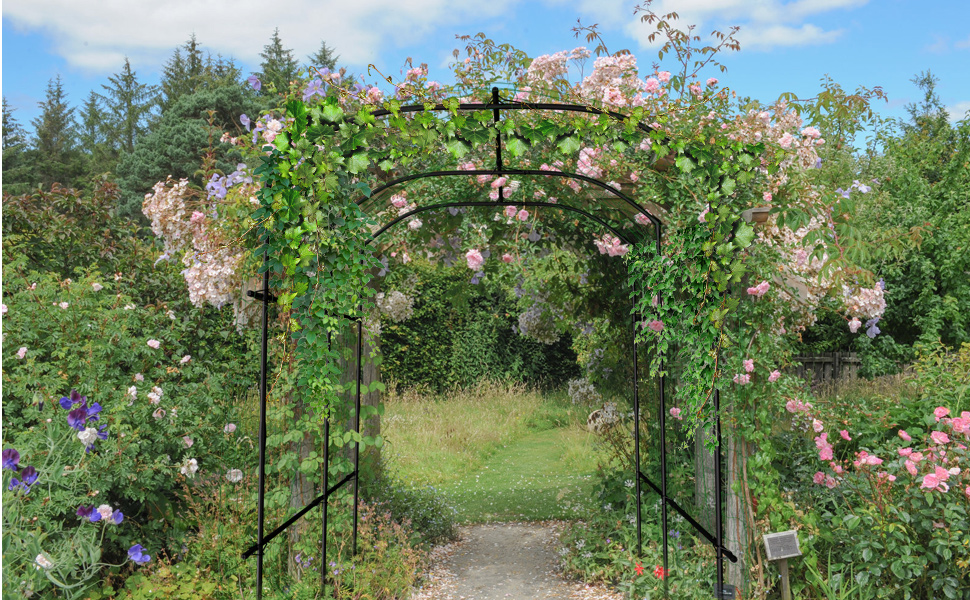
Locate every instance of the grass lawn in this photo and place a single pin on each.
(496, 454)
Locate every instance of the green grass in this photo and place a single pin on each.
(496, 454)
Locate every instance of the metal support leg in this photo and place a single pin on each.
(326, 483)
(636, 437)
(717, 496)
(360, 362)
(663, 478)
(262, 433)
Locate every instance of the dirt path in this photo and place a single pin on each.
(505, 561)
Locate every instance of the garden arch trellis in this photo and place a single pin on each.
(370, 203)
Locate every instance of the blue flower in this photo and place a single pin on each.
(29, 475)
(255, 83)
(10, 459)
(882, 284)
(117, 517)
(872, 330)
(137, 553)
(77, 417)
(76, 398)
(315, 88)
(244, 119)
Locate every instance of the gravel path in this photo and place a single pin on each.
(506, 561)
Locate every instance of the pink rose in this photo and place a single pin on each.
(499, 182)
(510, 211)
(523, 215)
(817, 425)
(940, 412)
(911, 467)
(656, 325)
(825, 453)
(774, 376)
(748, 365)
(939, 437)
(187, 441)
(930, 482)
(905, 451)
(845, 435)
(854, 324)
(399, 201)
(703, 216)
(742, 379)
(664, 76)
(786, 141)
(652, 86)
(905, 436)
(766, 197)
(830, 482)
(675, 413)
(712, 82)
(22, 352)
(474, 258)
(231, 427)
(819, 478)
(506, 258)
(154, 344)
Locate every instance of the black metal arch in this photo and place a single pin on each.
(264, 295)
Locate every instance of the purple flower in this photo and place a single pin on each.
(245, 120)
(10, 459)
(818, 162)
(136, 552)
(872, 330)
(29, 475)
(882, 284)
(255, 83)
(315, 88)
(117, 517)
(77, 417)
(86, 512)
(93, 411)
(843, 193)
(76, 398)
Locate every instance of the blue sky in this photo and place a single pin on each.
(787, 45)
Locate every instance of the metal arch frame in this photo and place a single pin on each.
(265, 296)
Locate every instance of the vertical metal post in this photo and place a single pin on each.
(636, 434)
(717, 495)
(326, 487)
(663, 456)
(360, 352)
(262, 430)
(498, 142)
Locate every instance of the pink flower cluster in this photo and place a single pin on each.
(759, 290)
(611, 245)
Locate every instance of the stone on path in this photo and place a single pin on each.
(505, 561)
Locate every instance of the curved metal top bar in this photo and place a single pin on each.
(616, 232)
(382, 112)
(656, 222)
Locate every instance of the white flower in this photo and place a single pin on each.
(97, 287)
(105, 511)
(88, 436)
(170, 314)
(185, 359)
(415, 224)
(43, 561)
(234, 475)
(22, 352)
(64, 305)
(133, 392)
(190, 468)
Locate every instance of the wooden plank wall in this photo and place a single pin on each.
(827, 366)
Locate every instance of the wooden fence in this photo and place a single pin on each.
(827, 366)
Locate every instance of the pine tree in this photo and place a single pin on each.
(16, 174)
(129, 106)
(94, 135)
(184, 73)
(279, 67)
(324, 58)
(55, 139)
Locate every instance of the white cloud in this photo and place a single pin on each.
(96, 36)
(765, 24)
(958, 111)
(963, 43)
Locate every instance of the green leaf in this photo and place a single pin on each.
(727, 186)
(456, 148)
(516, 146)
(357, 163)
(569, 145)
(332, 113)
(744, 236)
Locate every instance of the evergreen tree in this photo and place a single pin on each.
(279, 66)
(55, 139)
(129, 106)
(94, 136)
(324, 58)
(190, 70)
(16, 177)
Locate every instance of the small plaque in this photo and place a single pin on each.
(727, 592)
(782, 545)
